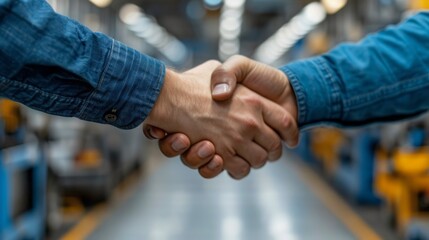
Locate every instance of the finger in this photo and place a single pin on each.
(294, 143)
(174, 144)
(281, 121)
(275, 155)
(270, 141)
(265, 80)
(236, 167)
(223, 83)
(199, 154)
(261, 78)
(254, 154)
(225, 77)
(152, 132)
(213, 168)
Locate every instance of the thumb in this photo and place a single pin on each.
(223, 84)
(225, 77)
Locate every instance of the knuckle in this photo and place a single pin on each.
(252, 100)
(243, 170)
(239, 171)
(220, 71)
(250, 123)
(228, 152)
(237, 58)
(286, 121)
(274, 158)
(236, 139)
(260, 161)
(275, 155)
(275, 145)
(214, 62)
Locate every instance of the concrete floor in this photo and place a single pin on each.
(175, 203)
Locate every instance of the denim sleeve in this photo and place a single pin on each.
(54, 64)
(385, 77)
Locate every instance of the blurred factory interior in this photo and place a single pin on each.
(63, 178)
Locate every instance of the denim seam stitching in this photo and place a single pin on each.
(334, 99)
(52, 96)
(387, 92)
(82, 114)
(299, 93)
(153, 97)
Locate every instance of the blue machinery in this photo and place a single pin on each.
(418, 230)
(352, 172)
(356, 175)
(26, 221)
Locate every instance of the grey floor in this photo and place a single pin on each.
(174, 203)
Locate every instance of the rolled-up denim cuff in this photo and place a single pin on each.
(127, 90)
(316, 89)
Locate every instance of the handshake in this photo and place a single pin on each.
(230, 116)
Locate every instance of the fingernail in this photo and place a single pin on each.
(220, 89)
(178, 145)
(150, 131)
(212, 165)
(204, 152)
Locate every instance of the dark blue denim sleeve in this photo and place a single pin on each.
(385, 77)
(54, 64)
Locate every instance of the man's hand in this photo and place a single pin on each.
(267, 81)
(240, 129)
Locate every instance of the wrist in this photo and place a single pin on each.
(317, 91)
(179, 103)
(291, 104)
(163, 108)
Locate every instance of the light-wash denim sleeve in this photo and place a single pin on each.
(385, 77)
(54, 64)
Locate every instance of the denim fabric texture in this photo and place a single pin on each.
(55, 64)
(385, 77)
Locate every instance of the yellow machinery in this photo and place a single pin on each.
(405, 186)
(419, 4)
(89, 158)
(325, 145)
(10, 114)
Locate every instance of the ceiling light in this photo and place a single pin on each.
(212, 4)
(290, 33)
(333, 6)
(234, 3)
(130, 14)
(101, 3)
(315, 12)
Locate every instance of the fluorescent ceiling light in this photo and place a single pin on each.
(333, 6)
(130, 14)
(101, 3)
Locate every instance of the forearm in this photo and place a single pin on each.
(383, 78)
(56, 65)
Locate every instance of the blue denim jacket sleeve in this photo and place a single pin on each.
(54, 64)
(385, 77)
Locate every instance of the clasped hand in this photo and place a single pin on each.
(242, 129)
